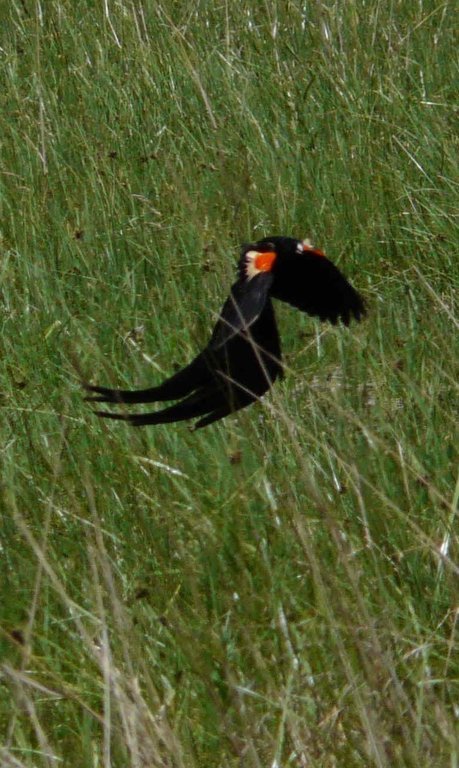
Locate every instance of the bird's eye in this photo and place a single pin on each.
(299, 247)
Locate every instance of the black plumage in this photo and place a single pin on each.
(243, 357)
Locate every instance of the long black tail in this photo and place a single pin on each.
(181, 384)
(197, 404)
(211, 406)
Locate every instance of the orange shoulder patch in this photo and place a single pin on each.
(309, 248)
(257, 262)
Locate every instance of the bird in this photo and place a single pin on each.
(243, 357)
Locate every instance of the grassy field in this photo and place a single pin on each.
(280, 589)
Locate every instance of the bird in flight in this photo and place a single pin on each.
(243, 357)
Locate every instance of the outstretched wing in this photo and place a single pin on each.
(312, 283)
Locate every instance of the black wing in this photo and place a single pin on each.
(237, 373)
(313, 284)
(242, 308)
(238, 365)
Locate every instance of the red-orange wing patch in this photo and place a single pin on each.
(309, 248)
(259, 261)
(264, 261)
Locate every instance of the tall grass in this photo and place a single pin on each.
(279, 589)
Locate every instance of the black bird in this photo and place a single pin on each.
(243, 357)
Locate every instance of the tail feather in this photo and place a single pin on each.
(181, 384)
(197, 404)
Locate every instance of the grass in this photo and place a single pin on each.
(279, 589)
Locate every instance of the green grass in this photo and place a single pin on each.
(279, 589)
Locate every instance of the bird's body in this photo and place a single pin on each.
(243, 357)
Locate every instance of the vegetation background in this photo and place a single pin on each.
(280, 589)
